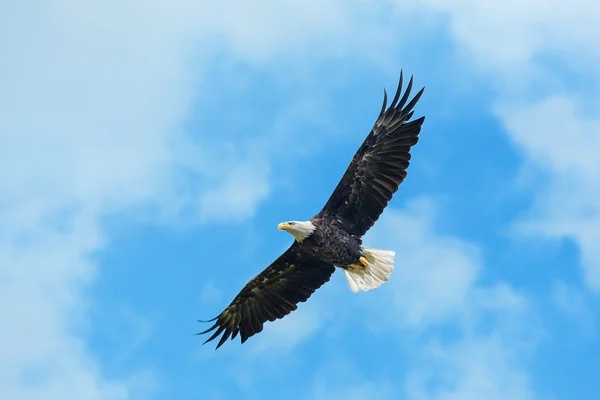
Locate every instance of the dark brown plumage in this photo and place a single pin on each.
(373, 176)
(378, 167)
(272, 294)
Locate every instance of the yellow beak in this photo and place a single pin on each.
(283, 226)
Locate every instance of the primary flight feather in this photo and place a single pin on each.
(333, 237)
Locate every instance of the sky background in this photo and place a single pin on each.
(149, 150)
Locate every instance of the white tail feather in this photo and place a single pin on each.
(381, 266)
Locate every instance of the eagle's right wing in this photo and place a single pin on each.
(271, 295)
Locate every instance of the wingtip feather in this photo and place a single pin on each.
(406, 93)
(398, 90)
(210, 320)
(384, 102)
(209, 329)
(415, 99)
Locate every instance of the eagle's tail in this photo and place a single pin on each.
(380, 267)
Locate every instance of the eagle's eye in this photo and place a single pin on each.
(292, 223)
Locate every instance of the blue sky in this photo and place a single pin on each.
(149, 151)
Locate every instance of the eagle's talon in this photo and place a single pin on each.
(356, 267)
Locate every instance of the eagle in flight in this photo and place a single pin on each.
(333, 237)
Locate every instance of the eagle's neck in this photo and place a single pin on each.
(302, 230)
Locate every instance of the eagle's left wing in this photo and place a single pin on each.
(378, 167)
(271, 295)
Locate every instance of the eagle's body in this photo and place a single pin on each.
(333, 237)
(332, 244)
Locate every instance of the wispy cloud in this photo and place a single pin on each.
(94, 100)
(475, 368)
(573, 303)
(238, 194)
(562, 146)
(435, 288)
(94, 104)
(528, 51)
(340, 379)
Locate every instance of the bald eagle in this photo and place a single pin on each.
(333, 237)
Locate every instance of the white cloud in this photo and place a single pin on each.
(572, 302)
(435, 286)
(209, 293)
(238, 194)
(93, 100)
(475, 368)
(339, 379)
(509, 36)
(41, 304)
(543, 58)
(434, 274)
(564, 146)
(282, 336)
(265, 28)
(285, 334)
(85, 131)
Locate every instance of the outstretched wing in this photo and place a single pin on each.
(378, 167)
(271, 295)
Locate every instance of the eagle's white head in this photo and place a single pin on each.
(299, 229)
